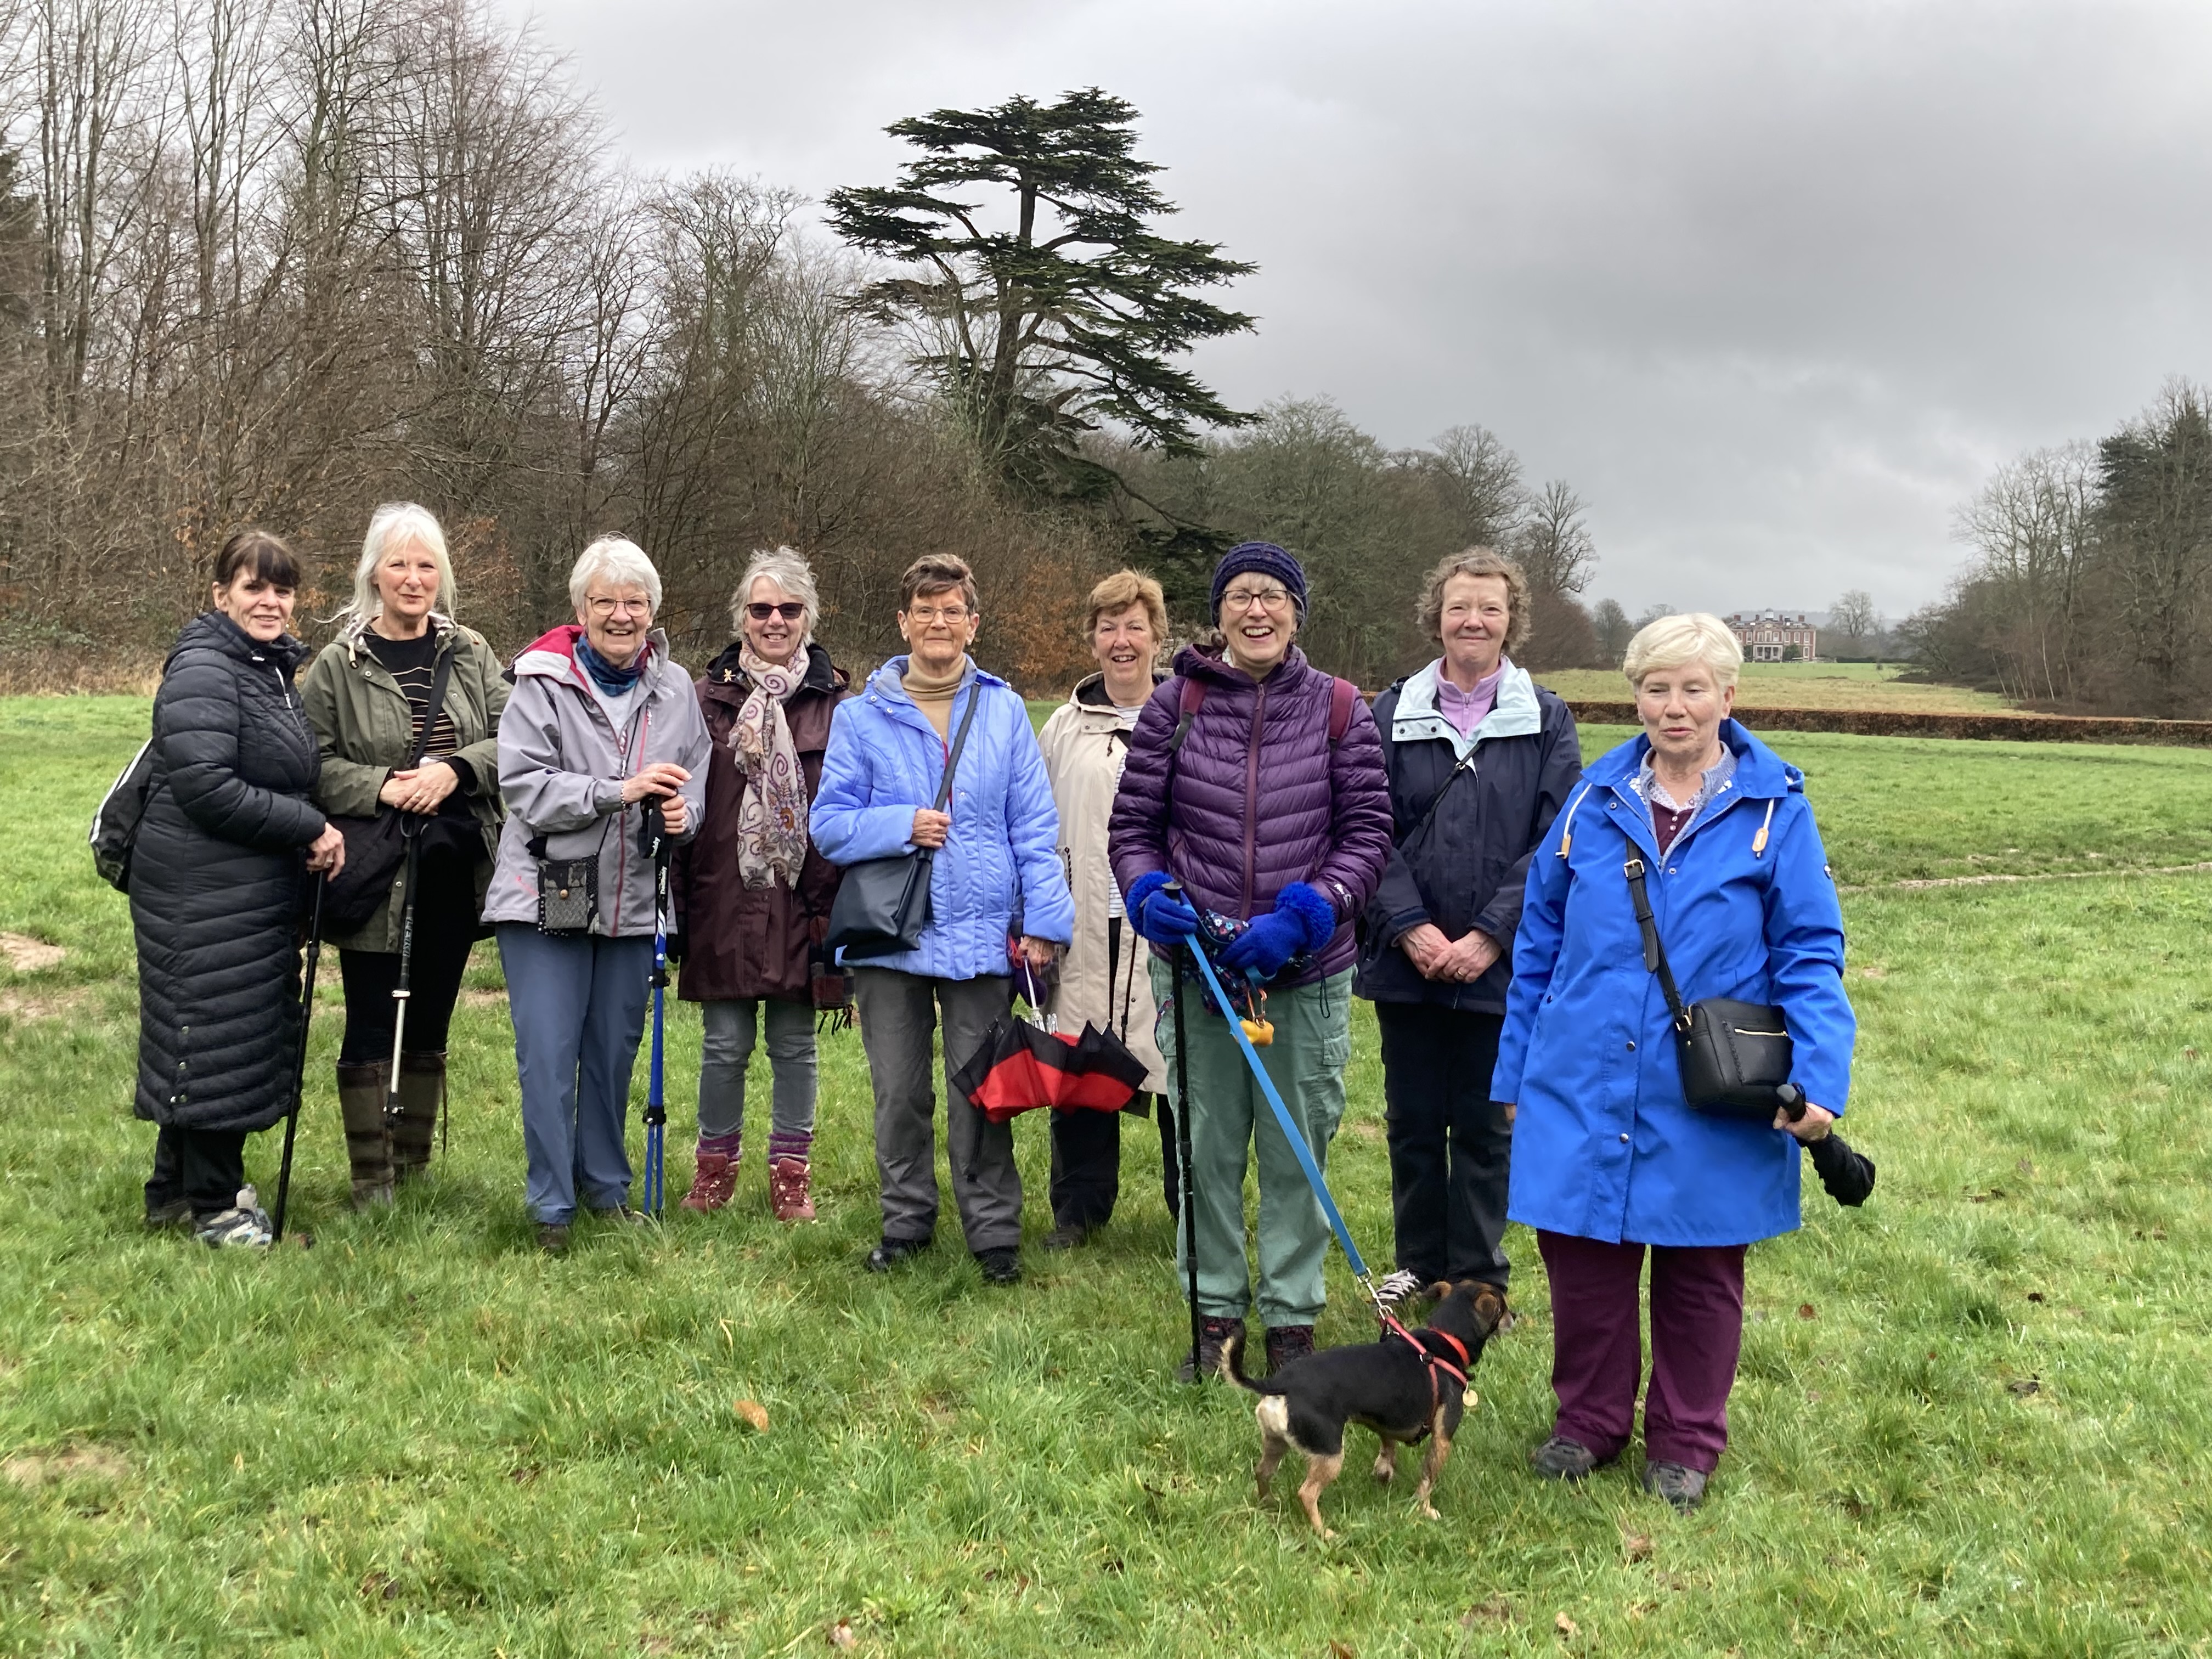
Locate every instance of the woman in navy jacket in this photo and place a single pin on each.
(1609, 1159)
(1481, 759)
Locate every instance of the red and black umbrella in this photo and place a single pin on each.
(1020, 1068)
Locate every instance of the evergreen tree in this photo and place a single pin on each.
(1055, 308)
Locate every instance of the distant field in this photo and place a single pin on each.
(1804, 685)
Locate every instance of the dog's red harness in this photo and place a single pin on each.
(1435, 1362)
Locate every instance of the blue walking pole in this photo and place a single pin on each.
(658, 847)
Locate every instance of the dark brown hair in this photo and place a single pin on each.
(262, 554)
(1477, 561)
(935, 573)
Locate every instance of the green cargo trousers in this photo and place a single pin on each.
(1306, 1062)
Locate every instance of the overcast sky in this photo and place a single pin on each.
(1774, 285)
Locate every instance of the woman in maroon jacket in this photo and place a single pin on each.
(1272, 809)
(755, 894)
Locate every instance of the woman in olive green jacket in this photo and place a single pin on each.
(366, 696)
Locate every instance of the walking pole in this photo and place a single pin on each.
(654, 834)
(410, 832)
(1182, 1138)
(300, 1070)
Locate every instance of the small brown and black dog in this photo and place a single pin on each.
(1386, 1386)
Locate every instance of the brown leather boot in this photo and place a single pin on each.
(421, 1097)
(368, 1138)
(787, 1200)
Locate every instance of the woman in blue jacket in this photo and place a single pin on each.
(996, 866)
(1608, 1157)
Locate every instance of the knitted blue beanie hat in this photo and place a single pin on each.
(1259, 559)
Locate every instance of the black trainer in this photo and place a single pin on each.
(1067, 1235)
(1682, 1486)
(1562, 1459)
(1286, 1343)
(892, 1251)
(1000, 1266)
(1212, 1334)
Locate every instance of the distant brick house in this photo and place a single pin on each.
(1767, 636)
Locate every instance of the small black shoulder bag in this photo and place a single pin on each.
(1736, 1056)
(883, 904)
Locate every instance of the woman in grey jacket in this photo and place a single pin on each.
(600, 723)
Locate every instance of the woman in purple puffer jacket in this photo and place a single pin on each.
(1256, 781)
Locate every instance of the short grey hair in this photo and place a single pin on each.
(398, 524)
(1694, 637)
(788, 570)
(622, 561)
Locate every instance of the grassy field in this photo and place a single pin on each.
(1804, 685)
(1973, 1418)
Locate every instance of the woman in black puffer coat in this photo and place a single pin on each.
(215, 884)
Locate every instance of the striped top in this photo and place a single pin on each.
(413, 662)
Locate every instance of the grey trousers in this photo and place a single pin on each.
(731, 1028)
(898, 1012)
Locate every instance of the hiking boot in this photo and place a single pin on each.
(421, 1097)
(1562, 1459)
(787, 1199)
(892, 1251)
(362, 1090)
(162, 1217)
(627, 1216)
(1682, 1486)
(1286, 1343)
(244, 1225)
(553, 1237)
(1212, 1334)
(1067, 1235)
(713, 1178)
(1000, 1266)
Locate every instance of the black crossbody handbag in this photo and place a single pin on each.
(1736, 1056)
(883, 904)
(375, 847)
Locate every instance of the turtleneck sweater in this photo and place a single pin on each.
(932, 694)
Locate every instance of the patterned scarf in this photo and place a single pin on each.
(772, 811)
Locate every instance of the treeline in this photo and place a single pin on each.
(2090, 586)
(274, 263)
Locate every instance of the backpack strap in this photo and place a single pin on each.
(1342, 695)
(1188, 702)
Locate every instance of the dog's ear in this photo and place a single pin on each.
(1489, 1302)
(1437, 1292)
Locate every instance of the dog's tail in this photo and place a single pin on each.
(1232, 1366)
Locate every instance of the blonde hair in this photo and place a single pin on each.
(1477, 561)
(622, 561)
(1696, 636)
(1123, 589)
(396, 523)
(789, 571)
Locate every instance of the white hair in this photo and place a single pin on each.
(622, 561)
(1695, 636)
(784, 567)
(398, 524)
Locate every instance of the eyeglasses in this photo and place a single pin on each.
(790, 611)
(954, 614)
(1267, 598)
(622, 607)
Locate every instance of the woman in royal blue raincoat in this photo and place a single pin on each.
(1608, 1158)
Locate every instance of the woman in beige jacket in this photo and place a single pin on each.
(1103, 980)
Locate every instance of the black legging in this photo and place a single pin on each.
(444, 928)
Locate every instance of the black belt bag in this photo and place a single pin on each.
(883, 904)
(1736, 1056)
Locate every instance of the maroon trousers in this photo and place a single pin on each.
(1597, 1356)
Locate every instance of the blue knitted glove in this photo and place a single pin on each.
(1302, 921)
(1161, 917)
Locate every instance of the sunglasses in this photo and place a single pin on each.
(790, 611)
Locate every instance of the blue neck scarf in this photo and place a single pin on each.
(609, 678)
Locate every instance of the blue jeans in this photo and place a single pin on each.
(579, 1010)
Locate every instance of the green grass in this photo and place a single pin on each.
(1973, 1417)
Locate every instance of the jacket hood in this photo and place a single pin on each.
(1516, 712)
(725, 670)
(552, 654)
(1090, 696)
(1760, 773)
(1209, 662)
(213, 631)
